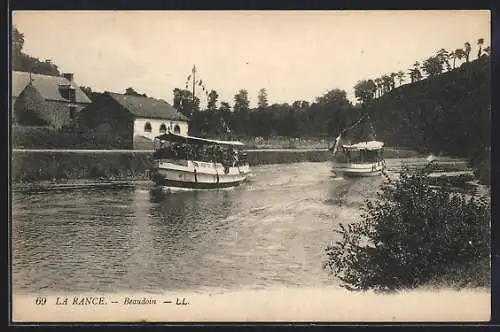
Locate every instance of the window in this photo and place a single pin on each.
(72, 112)
(177, 129)
(72, 95)
(147, 127)
(64, 91)
(68, 92)
(163, 128)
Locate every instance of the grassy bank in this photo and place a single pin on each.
(286, 142)
(47, 165)
(33, 166)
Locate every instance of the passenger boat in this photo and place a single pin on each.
(198, 163)
(361, 159)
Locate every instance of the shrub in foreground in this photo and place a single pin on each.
(414, 234)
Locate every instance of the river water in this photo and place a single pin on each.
(272, 231)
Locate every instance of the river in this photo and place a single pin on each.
(270, 232)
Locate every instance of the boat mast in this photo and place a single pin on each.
(194, 80)
(192, 105)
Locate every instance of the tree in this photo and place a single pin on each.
(300, 104)
(467, 49)
(444, 58)
(393, 79)
(262, 99)
(225, 117)
(487, 50)
(401, 77)
(411, 72)
(17, 42)
(26, 63)
(322, 114)
(131, 92)
(415, 74)
(225, 107)
(365, 91)
(87, 90)
(459, 54)
(433, 66)
(453, 56)
(184, 102)
(334, 96)
(403, 239)
(212, 100)
(379, 84)
(386, 83)
(241, 102)
(480, 43)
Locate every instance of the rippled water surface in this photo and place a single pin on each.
(271, 231)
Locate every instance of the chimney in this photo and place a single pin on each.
(68, 76)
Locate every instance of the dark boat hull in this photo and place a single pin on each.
(193, 185)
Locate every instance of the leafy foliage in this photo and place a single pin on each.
(262, 103)
(447, 114)
(64, 166)
(241, 102)
(433, 66)
(467, 49)
(131, 92)
(47, 138)
(185, 103)
(365, 91)
(411, 235)
(24, 62)
(212, 100)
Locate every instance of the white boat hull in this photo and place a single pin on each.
(197, 175)
(358, 170)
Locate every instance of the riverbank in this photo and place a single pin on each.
(33, 165)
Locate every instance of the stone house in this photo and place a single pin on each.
(43, 100)
(133, 119)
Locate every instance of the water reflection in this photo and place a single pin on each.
(113, 240)
(271, 231)
(61, 239)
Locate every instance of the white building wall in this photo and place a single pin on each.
(140, 126)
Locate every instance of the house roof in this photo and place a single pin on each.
(147, 107)
(47, 86)
(371, 145)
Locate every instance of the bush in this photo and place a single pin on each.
(412, 235)
(481, 166)
(64, 138)
(32, 166)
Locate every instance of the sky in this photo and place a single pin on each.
(294, 55)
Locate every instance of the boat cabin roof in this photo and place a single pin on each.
(192, 139)
(371, 145)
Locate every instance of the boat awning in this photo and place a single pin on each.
(193, 140)
(371, 145)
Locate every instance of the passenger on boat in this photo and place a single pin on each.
(219, 154)
(235, 158)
